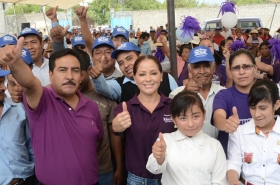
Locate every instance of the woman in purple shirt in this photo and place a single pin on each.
(142, 118)
(230, 107)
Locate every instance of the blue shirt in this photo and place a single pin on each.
(16, 155)
(113, 90)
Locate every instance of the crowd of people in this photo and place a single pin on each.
(101, 108)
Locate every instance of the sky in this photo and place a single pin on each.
(206, 1)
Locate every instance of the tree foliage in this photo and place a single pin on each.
(100, 11)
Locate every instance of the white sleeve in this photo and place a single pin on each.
(234, 152)
(153, 167)
(220, 168)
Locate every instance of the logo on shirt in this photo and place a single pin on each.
(8, 39)
(77, 39)
(26, 30)
(123, 45)
(167, 118)
(103, 39)
(200, 52)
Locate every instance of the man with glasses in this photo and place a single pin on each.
(201, 69)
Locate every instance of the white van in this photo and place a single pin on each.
(244, 23)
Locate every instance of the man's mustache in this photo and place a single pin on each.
(69, 83)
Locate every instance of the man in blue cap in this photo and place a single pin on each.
(100, 49)
(124, 88)
(16, 155)
(79, 43)
(33, 42)
(201, 66)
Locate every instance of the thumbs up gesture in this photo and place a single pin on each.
(57, 33)
(10, 53)
(232, 122)
(191, 85)
(122, 121)
(159, 149)
(96, 70)
(81, 12)
(51, 14)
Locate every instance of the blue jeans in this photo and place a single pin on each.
(106, 178)
(135, 180)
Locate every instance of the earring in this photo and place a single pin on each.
(175, 126)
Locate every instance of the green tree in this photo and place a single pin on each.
(23, 8)
(100, 11)
(183, 3)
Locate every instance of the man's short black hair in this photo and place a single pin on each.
(61, 53)
(144, 34)
(85, 59)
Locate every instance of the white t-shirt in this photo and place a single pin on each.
(208, 106)
(42, 72)
(196, 160)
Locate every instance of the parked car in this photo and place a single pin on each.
(244, 23)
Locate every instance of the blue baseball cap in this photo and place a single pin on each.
(4, 72)
(28, 31)
(120, 31)
(200, 54)
(7, 40)
(103, 41)
(78, 40)
(26, 56)
(125, 46)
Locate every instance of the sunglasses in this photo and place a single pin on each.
(246, 67)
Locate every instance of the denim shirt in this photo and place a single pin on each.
(16, 155)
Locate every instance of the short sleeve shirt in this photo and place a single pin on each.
(225, 100)
(64, 140)
(143, 132)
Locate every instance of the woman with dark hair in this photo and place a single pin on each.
(254, 149)
(142, 118)
(226, 103)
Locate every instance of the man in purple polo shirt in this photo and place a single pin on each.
(65, 126)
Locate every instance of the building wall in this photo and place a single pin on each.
(145, 19)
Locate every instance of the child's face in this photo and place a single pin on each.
(263, 114)
(191, 122)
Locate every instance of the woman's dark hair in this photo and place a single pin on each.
(61, 53)
(263, 90)
(241, 52)
(264, 43)
(183, 46)
(146, 57)
(183, 101)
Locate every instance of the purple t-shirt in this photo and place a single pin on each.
(222, 68)
(226, 99)
(266, 61)
(64, 140)
(143, 132)
(276, 73)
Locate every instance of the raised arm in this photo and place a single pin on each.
(81, 13)
(264, 67)
(32, 86)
